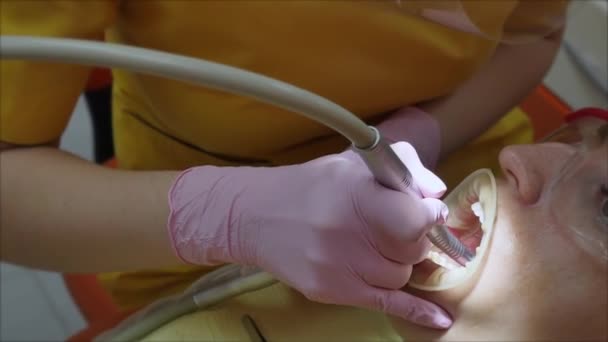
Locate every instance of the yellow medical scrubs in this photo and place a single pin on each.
(370, 57)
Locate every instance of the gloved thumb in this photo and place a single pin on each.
(437, 210)
(404, 226)
(426, 181)
(408, 307)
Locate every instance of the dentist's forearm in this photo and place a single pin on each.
(498, 87)
(59, 212)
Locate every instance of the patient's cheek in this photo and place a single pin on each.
(512, 266)
(503, 267)
(535, 264)
(525, 247)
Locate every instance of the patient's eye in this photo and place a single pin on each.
(569, 134)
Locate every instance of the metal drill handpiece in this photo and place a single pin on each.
(443, 239)
(390, 171)
(385, 165)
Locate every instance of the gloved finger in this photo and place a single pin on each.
(386, 274)
(400, 224)
(426, 181)
(403, 217)
(409, 254)
(406, 306)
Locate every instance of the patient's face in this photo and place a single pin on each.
(546, 272)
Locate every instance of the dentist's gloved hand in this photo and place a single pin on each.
(418, 128)
(325, 228)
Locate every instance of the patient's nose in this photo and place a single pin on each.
(529, 168)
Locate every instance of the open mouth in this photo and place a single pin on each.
(472, 207)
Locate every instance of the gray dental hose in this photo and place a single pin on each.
(382, 161)
(222, 284)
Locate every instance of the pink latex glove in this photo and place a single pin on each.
(325, 228)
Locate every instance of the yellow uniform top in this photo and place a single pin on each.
(370, 57)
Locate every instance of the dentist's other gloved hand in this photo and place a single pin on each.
(325, 228)
(418, 128)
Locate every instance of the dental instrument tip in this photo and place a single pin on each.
(443, 239)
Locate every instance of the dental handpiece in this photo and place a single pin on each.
(391, 172)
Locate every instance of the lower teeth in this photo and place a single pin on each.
(443, 260)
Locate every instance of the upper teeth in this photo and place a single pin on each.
(478, 211)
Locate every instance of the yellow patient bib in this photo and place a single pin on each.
(369, 56)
